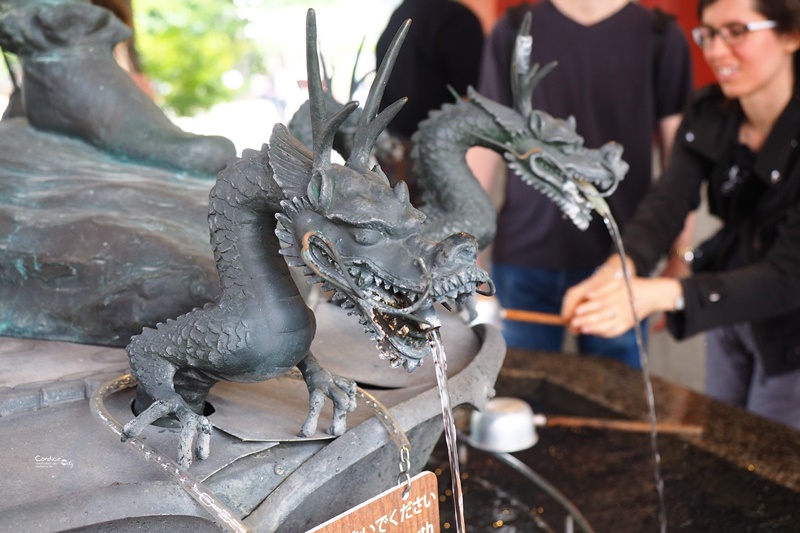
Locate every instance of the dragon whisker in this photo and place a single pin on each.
(492, 142)
(484, 292)
(590, 190)
(527, 154)
(305, 253)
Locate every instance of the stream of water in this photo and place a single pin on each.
(613, 229)
(440, 362)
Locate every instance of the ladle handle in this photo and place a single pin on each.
(520, 315)
(622, 425)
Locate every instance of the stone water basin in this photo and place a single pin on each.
(742, 474)
(62, 470)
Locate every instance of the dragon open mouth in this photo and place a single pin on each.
(398, 318)
(576, 193)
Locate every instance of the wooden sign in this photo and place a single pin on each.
(391, 513)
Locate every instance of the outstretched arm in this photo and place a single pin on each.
(601, 306)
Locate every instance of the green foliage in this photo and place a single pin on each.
(186, 46)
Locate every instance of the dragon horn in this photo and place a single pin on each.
(371, 124)
(524, 77)
(323, 128)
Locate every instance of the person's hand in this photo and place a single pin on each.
(608, 274)
(606, 310)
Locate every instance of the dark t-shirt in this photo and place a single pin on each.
(443, 47)
(606, 79)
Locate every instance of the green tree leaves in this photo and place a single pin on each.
(186, 46)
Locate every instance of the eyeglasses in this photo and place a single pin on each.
(733, 33)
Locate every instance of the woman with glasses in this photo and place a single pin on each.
(624, 74)
(738, 140)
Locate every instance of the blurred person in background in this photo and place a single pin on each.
(441, 51)
(739, 139)
(624, 72)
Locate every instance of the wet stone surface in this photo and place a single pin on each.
(608, 475)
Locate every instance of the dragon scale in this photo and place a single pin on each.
(451, 200)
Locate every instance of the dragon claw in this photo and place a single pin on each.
(348, 386)
(343, 394)
(321, 384)
(157, 409)
(195, 429)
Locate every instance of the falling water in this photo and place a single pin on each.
(440, 362)
(613, 229)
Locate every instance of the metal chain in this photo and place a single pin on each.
(397, 435)
(199, 492)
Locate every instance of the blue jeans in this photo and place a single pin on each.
(539, 289)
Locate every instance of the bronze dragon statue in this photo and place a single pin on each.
(546, 152)
(352, 232)
(385, 260)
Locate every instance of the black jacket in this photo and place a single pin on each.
(442, 50)
(750, 270)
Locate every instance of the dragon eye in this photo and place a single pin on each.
(567, 148)
(367, 236)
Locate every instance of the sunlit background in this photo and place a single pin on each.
(235, 68)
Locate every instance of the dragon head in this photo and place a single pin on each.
(360, 237)
(554, 161)
(546, 152)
